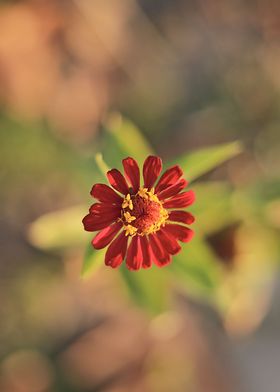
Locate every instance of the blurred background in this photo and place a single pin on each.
(182, 76)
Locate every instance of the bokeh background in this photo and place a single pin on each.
(81, 77)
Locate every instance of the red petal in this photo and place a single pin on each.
(132, 173)
(161, 256)
(134, 256)
(182, 200)
(104, 208)
(146, 251)
(117, 181)
(172, 190)
(181, 216)
(116, 251)
(183, 233)
(168, 242)
(105, 236)
(104, 193)
(170, 177)
(151, 170)
(93, 222)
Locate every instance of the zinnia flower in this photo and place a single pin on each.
(136, 222)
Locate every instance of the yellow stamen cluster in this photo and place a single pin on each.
(127, 202)
(160, 223)
(130, 230)
(143, 192)
(127, 218)
(149, 195)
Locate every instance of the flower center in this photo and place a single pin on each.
(142, 213)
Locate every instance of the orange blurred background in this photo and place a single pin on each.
(188, 74)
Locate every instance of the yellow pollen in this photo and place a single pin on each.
(130, 230)
(143, 192)
(160, 223)
(129, 218)
(152, 196)
(127, 202)
(137, 223)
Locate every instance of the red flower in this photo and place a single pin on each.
(141, 215)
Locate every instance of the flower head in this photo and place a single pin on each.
(140, 224)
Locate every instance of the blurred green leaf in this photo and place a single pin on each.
(148, 288)
(213, 208)
(102, 166)
(253, 200)
(57, 162)
(197, 268)
(59, 229)
(63, 229)
(122, 139)
(197, 163)
(92, 261)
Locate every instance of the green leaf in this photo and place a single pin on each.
(147, 288)
(122, 139)
(59, 229)
(198, 268)
(92, 261)
(213, 208)
(197, 163)
(101, 164)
